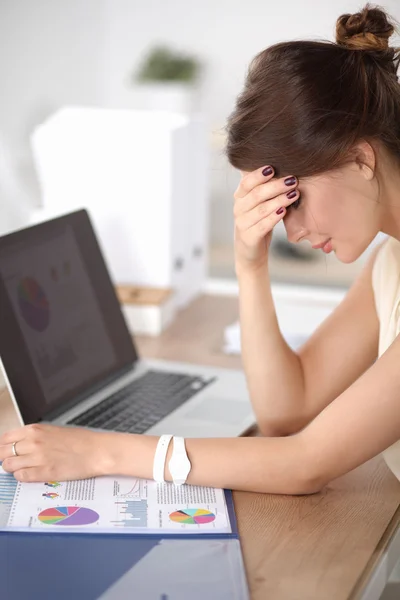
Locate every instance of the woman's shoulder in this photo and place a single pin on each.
(386, 289)
(386, 268)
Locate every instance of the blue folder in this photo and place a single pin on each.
(75, 566)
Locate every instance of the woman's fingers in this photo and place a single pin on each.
(264, 193)
(18, 462)
(27, 455)
(266, 211)
(6, 452)
(14, 435)
(259, 230)
(51, 453)
(255, 188)
(28, 441)
(250, 181)
(31, 475)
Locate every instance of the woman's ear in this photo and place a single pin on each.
(366, 159)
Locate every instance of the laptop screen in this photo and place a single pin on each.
(62, 329)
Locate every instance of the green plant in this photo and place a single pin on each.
(162, 64)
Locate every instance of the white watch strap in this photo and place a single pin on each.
(179, 454)
(159, 458)
(178, 446)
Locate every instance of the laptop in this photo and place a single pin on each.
(67, 355)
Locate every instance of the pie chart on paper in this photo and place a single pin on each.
(69, 516)
(192, 516)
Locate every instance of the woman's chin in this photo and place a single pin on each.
(347, 257)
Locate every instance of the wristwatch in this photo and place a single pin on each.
(179, 464)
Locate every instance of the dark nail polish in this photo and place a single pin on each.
(267, 171)
(280, 211)
(291, 194)
(290, 181)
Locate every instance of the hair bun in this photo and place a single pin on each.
(369, 29)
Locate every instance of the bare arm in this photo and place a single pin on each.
(360, 423)
(49, 453)
(289, 389)
(273, 371)
(342, 348)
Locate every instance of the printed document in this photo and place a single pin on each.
(112, 504)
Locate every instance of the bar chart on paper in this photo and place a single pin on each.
(8, 486)
(131, 513)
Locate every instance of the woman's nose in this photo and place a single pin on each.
(294, 229)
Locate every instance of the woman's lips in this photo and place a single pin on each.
(326, 246)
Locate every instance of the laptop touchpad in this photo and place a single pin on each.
(230, 412)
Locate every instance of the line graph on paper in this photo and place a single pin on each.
(132, 489)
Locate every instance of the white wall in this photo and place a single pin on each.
(51, 54)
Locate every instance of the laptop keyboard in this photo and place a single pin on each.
(141, 404)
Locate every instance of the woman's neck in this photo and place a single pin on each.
(390, 200)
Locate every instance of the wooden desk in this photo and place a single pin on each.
(321, 547)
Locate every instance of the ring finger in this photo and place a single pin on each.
(25, 457)
(6, 450)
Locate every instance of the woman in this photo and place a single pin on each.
(327, 117)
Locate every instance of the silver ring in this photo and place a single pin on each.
(14, 450)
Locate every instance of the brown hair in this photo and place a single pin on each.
(305, 103)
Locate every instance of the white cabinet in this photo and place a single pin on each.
(143, 176)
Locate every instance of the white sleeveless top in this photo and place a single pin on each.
(386, 287)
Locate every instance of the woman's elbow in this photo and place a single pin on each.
(307, 475)
(280, 428)
(312, 477)
(311, 485)
(295, 486)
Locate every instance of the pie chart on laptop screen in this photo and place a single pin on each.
(33, 304)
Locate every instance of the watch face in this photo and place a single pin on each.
(179, 467)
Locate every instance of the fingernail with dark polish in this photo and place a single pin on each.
(291, 194)
(267, 171)
(290, 181)
(280, 211)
